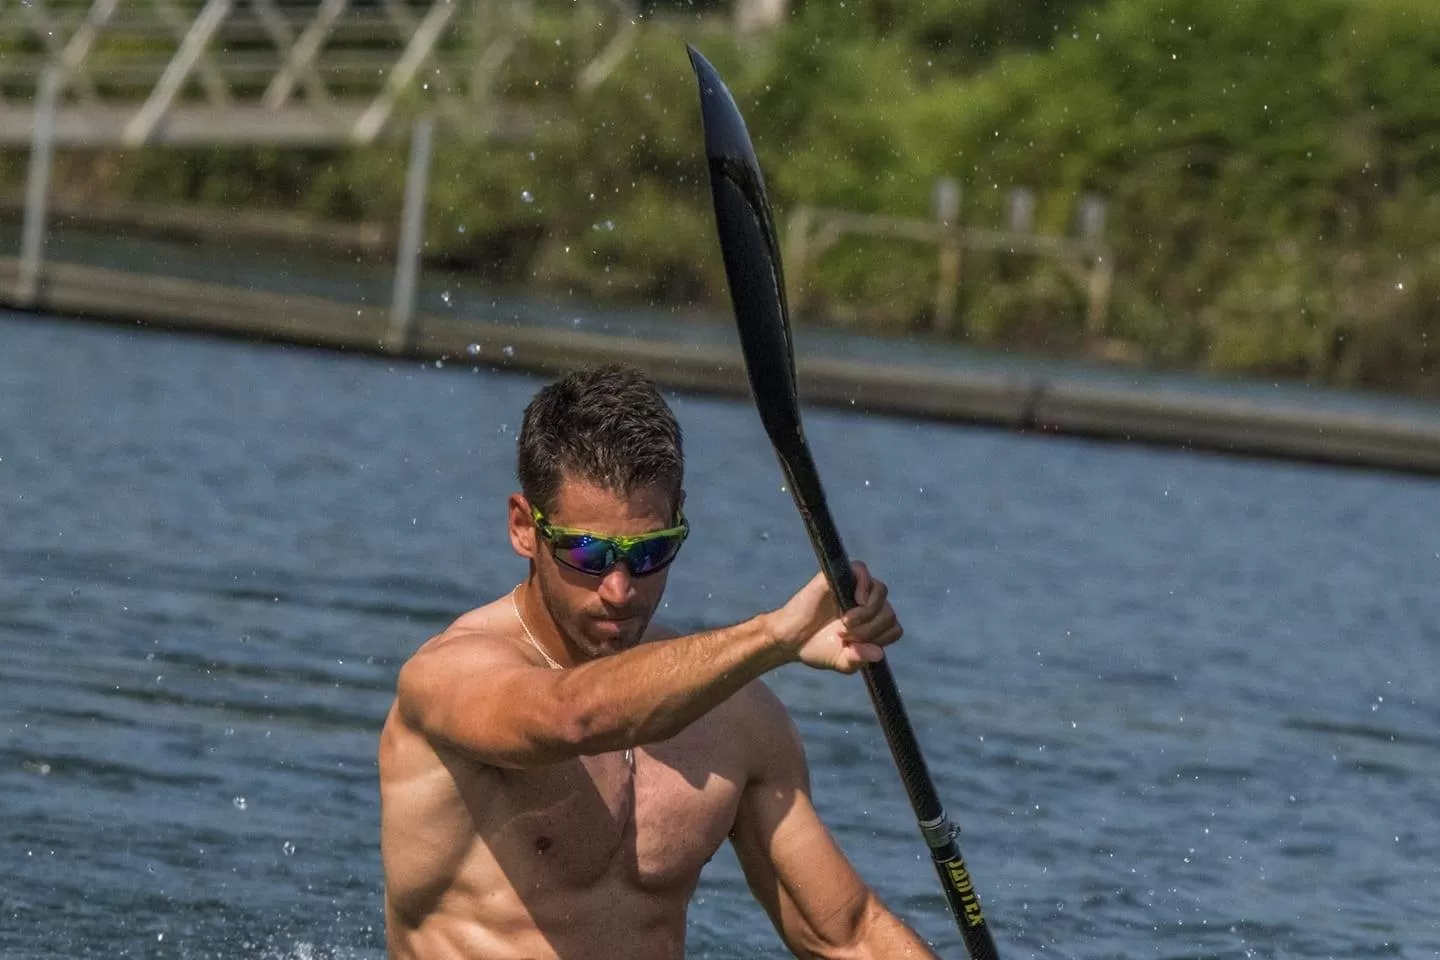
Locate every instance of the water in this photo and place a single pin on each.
(1182, 706)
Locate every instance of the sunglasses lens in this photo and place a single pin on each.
(649, 556)
(586, 554)
(597, 555)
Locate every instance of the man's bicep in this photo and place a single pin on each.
(791, 862)
(472, 698)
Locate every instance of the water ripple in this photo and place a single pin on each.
(1134, 673)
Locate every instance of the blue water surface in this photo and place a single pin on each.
(1183, 706)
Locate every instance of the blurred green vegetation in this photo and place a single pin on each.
(1272, 172)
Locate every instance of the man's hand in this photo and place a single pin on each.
(810, 627)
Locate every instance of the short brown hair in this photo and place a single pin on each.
(605, 425)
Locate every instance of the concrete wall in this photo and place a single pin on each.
(1025, 403)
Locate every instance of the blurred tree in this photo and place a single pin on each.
(958, 36)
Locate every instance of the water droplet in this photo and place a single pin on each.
(240, 803)
(473, 349)
(289, 848)
(446, 297)
(609, 226)
(1399, 286)
(460, 229)
(509, 351)
(527, 196)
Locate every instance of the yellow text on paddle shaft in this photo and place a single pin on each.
(959, 876)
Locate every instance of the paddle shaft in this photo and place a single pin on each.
(937, 829)
(751, 253)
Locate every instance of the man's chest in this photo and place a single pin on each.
(576, 823)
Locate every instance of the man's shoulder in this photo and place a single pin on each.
(760, 704)
(478, 633)
(757, 718)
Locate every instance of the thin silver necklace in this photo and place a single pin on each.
(515, 605)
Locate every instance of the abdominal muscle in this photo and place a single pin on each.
(577, 859)
(604, 922)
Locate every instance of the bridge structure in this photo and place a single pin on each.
(97, 74)
(130, 73)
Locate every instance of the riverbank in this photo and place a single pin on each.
(1033, 403)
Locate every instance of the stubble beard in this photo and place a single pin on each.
(593, 649)
(572, 624)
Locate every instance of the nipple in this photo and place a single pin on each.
(542, 844)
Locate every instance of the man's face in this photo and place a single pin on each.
(600, 615)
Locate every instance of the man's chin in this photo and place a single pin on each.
(607, 637)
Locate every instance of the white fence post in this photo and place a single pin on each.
(37, 188)
(412, 237)
(946, 201)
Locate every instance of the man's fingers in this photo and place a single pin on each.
(889, 636)
(871, 630)
(872, 606)
(879, 595)
(862, 581)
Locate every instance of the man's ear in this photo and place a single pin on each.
(522, 526)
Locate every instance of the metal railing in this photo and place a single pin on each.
(297, 72)
(135, 73)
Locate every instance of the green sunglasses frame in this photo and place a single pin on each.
(620, 545)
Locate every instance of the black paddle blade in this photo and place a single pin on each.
(752, 258)
(757, 289)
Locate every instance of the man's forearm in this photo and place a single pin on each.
(886, 936)
(655, 690)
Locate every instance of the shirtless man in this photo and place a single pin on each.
(556, 769)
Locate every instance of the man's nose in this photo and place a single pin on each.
(617, 586)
